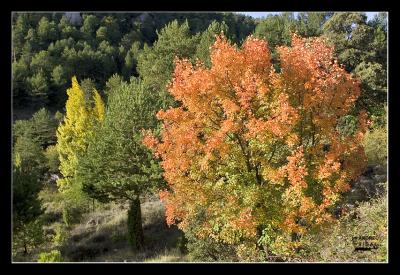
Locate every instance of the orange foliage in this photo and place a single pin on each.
(248, 143)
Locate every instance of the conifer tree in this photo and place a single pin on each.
(27, 166)
(117, 166)
(155, 64)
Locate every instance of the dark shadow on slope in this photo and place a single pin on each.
(106, 238)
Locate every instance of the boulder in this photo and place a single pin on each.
(380, 178)
(379, 170)
(91, 222)
(367, 186)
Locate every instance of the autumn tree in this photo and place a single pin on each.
(254, 157)
(73, 136)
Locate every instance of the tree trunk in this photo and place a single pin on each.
(135, 230)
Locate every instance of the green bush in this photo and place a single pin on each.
(338, 243)
(53, 161)
(22, 128)
(41, 128)
(71, 215)
(28, 237)
(53, 202)
(52, 256)
(61, 235)
(375, 146)
(347, 125)
(75, 203)
(206, 249)
(30, 154)
(44, 126)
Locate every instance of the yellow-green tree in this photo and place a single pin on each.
(73, 135)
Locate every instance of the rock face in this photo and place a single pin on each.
(367, 186)
(74, 17)
(50, 180)
(143, 16)
(93, 222)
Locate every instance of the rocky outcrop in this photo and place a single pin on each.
(74, 18)
(369, 185)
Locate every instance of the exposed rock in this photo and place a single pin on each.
(51, 179)
(380, 178)
(379, 170)
(143, 16)
(369, 170)
(49, 231)
(74, 18)
(91, 222)
(367, 185)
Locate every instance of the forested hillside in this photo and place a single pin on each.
(199, 136)
(48, 49)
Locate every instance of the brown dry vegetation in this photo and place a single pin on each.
(101, 236)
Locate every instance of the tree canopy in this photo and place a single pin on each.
(251, 151)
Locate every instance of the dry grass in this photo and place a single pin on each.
(105, 239)
(171, 255)
(101, 236)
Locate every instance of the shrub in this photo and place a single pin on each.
(368, 219)
(22, 128)
(44, 126)
(52, 256)
(58, 116)
(375, 146)
(61, 235)
(71, 215)
(41, 128)
(75, 203)
(53, 161)
(347, 125)
(29, 236)
(205, 249)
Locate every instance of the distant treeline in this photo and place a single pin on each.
(49, 48)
